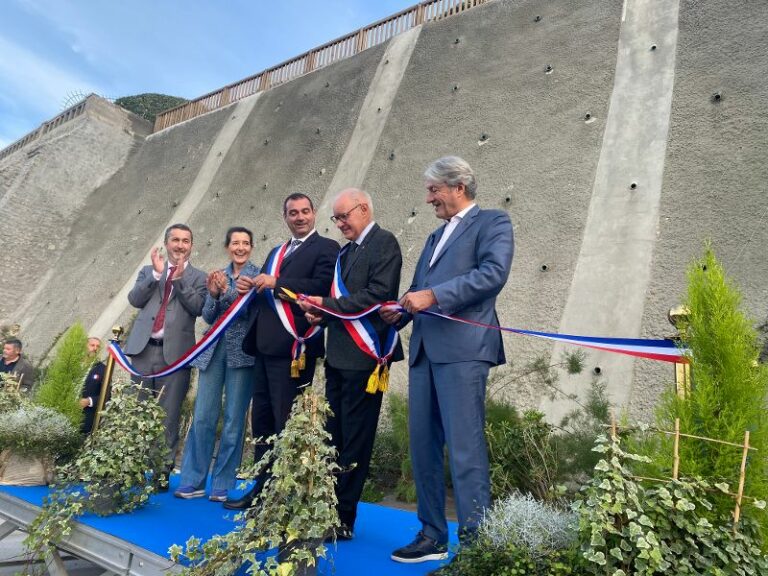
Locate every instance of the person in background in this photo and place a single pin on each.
(224, 369)
(89, 399)
(16, 365)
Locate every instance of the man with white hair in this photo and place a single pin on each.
(463, 267)
(359, 352)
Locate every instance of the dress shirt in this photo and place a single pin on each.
(449, 228)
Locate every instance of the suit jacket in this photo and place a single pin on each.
(22, 370)
(184, 306)
(469, 272)
(91, 389)
(233, 337)
(309, 270)
(371, 275)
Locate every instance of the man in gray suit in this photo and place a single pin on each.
(463, 267)
(170, 297)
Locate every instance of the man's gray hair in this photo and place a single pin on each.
(358, 195)
(452, 170)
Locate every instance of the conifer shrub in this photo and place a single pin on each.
(63, 379)
(727, 396)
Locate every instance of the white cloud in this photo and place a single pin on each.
(32, 82)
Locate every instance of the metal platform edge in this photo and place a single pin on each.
(107, 551)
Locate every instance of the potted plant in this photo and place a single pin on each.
(32, 438)
(294, 512)
(112, 473)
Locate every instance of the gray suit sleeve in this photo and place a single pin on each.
(495, 247)
(143, 288)
(191, 291)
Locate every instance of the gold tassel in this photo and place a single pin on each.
(373, 381)
(294, 368)
(384, 379)
(302, 361)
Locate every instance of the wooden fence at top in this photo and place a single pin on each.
(328, 53)
(68, 114)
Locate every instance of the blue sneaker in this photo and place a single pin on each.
(188, 492)
(218, 495)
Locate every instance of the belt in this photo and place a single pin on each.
(155, 342)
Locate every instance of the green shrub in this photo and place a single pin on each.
(62, 383)
(485, 559)
(37, 431)
(520, 452)
(149, 105)
(390, 470)
(728, 392)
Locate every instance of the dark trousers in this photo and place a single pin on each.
(174, 387)
(353, 430)
(273, 395)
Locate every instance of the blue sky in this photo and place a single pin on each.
(53, 49)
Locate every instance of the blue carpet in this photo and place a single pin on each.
(167, 520)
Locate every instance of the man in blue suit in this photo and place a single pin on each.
(463, 267)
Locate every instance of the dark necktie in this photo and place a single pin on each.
(160, 318)
(292, 248)
(348, 255)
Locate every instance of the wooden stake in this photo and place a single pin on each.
(613, 426)
(742, 478)
(676, 457)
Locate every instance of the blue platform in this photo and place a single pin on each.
(166, 520)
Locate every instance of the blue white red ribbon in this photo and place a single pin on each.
(208, 340)
(284, 312)
(663, 350)
(364, 335)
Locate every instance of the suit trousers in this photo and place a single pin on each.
(446, 404)
(175, 388)
(273, 394)
(236, 386)
(353, 430)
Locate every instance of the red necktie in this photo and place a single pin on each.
(160, 318)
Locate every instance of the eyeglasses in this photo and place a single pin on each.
(345, 216)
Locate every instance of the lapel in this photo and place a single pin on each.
(288, 259)
(350, 264)
(463, 225)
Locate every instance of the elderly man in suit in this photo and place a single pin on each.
(463, 267)
(367, 272)
(286, 347)
(170, 297)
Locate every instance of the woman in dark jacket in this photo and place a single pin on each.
(224, 367)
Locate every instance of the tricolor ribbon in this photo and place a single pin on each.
(284, 312)
(663, 350)
(208, 340)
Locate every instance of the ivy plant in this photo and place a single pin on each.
(293, 513)
(112, 473)
(672, 528)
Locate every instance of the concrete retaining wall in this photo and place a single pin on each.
(529, 93)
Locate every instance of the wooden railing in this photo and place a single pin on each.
(45, 127)
(339, 49)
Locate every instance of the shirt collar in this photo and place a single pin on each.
(460, 215)
(303, 238)
(364, 233)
